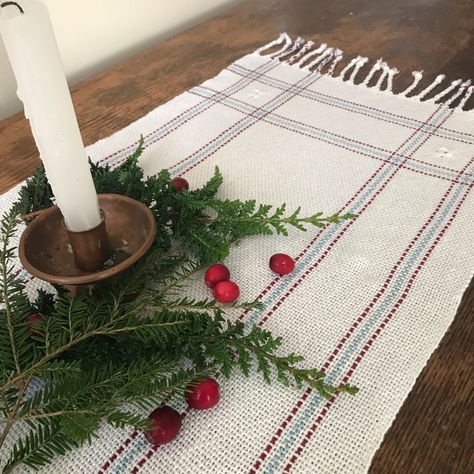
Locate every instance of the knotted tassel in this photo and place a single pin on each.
(466, 97)
(460, 92)
(382, 77)
(286, 45)
(270, 45)
(325, 61)
(391, 73)
(301, 53)
(446, 91)
(349, 65)
(438, 80)
(357, 67)
(337, 55)
(417, 76)
(378, 65)
(319, 50)
(316, 61)
(296, 46)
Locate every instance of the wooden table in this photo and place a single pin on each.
(434, 431)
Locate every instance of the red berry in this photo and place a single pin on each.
(226, 291)
(180, 184)
(166, 423)
(215, 274)
(31, 322)
(282, 263)
(203, 395)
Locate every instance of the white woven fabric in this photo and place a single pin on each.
(369, 299)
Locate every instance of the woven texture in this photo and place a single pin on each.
(369, 299)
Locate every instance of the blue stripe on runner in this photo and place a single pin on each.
(330, 137)
(329, 232)
(358, 108)
(243, 124)
(358, 341)
(192, 112)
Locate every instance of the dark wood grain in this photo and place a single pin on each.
(434, 431)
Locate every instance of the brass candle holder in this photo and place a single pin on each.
(80, 260)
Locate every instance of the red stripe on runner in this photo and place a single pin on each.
(380, 328)
(275, 438)
(118, 451)
(288, 91)
(389, 278)
(240, 87)
(358, 152)
(283, 83)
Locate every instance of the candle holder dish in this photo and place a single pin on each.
(50, 252)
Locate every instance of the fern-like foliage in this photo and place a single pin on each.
(15, 355)
(126, 344)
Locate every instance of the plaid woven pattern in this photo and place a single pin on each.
(369, 299)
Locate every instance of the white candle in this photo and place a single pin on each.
(42, 87)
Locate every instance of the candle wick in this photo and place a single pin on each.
(7, 4)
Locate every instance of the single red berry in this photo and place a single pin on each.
(215, 274)
(282, 263)
(226, 291)
(31, 322)
(180, 184)
(203, 395)
(166, 424)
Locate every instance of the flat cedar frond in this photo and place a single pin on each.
(15, 353)
(127, 344)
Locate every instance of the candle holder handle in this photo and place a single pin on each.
(12, 4)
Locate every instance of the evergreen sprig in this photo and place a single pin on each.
(120, 352)
(196, 220)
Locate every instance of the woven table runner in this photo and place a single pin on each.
(369, 300)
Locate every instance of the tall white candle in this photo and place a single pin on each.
(42, 87)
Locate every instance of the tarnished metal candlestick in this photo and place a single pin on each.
(91, 248)
(81, 259)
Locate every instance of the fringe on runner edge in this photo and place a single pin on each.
(308, 56)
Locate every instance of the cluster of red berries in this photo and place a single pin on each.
(166, 421)
(217, 277)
